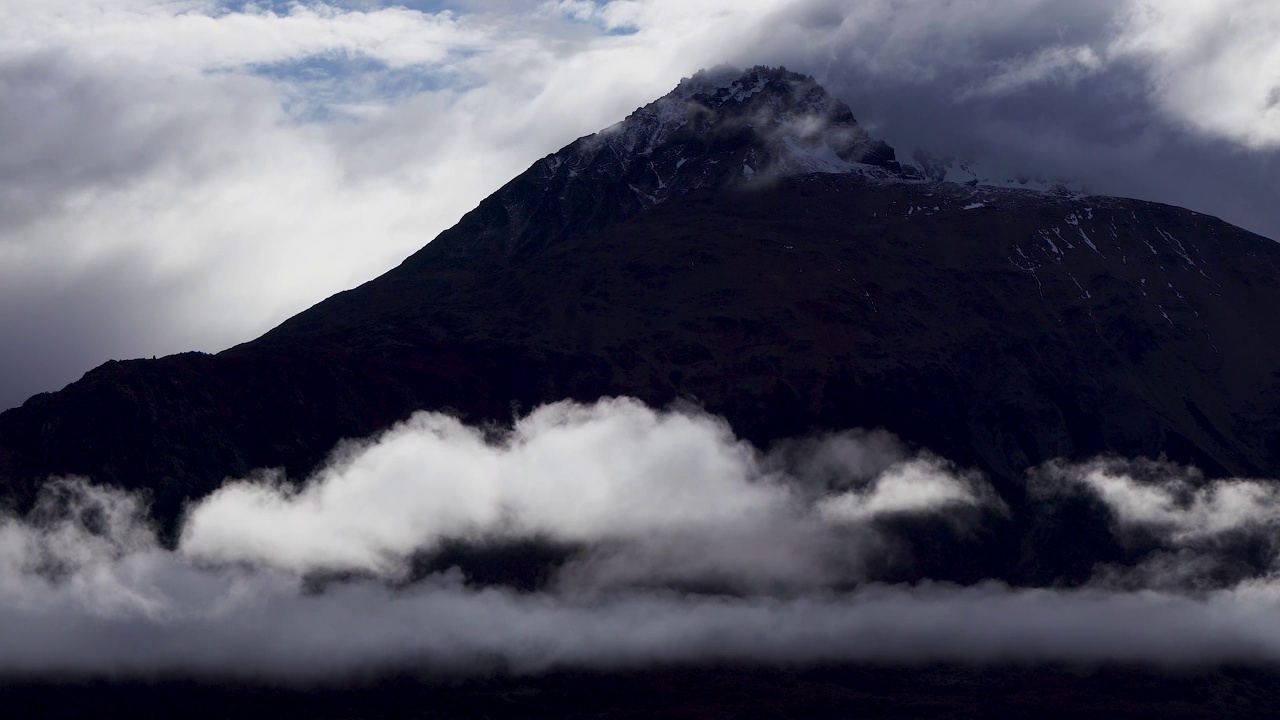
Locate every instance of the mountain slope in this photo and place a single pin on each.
(744, 244)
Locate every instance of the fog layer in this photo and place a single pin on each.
(682, 542)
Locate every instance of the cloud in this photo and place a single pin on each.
(1183, 531)
(1100, 93)
(916, 486)
(178, 38)
(180, 176)
(1215, 67)
(635, 486)
(705, 554)
(1052, 64)
(1172, 500)
(578, 473)
(280, 634)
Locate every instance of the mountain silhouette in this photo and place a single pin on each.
(744, 245)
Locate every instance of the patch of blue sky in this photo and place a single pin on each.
(597, 20)
(278, 7)
(429, 7)
(336, 85)
(426, 6)
(283, 7)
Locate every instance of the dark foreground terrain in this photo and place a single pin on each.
(836, 692)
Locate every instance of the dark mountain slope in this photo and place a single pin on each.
(1000, 328)
(827, 301)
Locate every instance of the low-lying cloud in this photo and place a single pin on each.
(1185, 532)
(685, 544)
(616, 476)
(1174, 501)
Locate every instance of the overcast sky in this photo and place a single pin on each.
(185, 175)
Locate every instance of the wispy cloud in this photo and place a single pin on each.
(1171, 500)
(1060, 65)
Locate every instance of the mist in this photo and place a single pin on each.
(682, 544)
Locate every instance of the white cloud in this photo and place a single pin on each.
(1169, 499)
(918, 485)
(178, 38)
(643, 483)
(613, 470)
(1215, 66)
(84, 571)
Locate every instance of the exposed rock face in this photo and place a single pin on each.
(743, 243)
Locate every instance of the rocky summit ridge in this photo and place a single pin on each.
(773, 121)
(719, 128)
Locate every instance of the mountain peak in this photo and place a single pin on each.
(726, 83)
(720, 128)
(784, 123)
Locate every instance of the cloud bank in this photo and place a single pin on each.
(179, 176)
(686, 545)
(633, 487)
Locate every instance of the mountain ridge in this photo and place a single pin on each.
(716, 128)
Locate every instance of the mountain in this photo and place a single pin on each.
(741, 243)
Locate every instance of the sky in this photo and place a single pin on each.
(184, 175)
